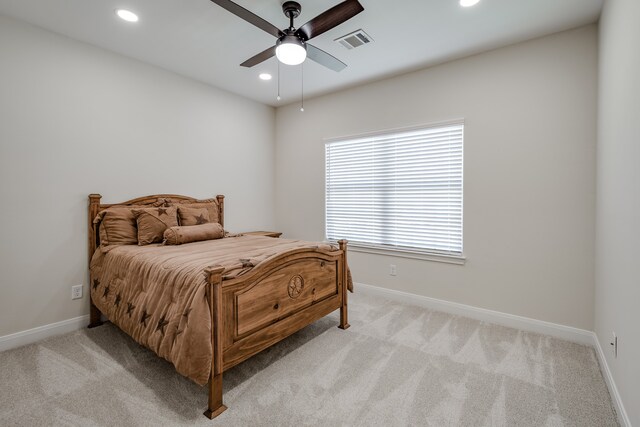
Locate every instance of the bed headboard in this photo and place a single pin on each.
(95, 206)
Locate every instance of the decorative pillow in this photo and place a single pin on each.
(152, 222)
(117, 227)
(193, 233)
(192, 216)
(211, 205)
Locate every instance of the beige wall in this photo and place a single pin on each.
(530, 113)
(99, 122)
(75, 119)
(618, 202)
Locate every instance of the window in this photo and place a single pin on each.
(400, 190)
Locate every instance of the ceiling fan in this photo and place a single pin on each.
(292, 48)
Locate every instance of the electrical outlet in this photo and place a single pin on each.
(392, 270)
(76, 292)
(614, 345)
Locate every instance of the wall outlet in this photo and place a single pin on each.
(76, 292)
(614, 345)
(392, 270)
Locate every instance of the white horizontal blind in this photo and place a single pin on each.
(397, 190)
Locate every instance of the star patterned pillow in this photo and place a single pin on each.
(193, 216)
(152, 222)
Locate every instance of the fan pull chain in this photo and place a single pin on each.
(302, 87)
(278, 97)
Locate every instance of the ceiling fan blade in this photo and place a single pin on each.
(330, 18)
(250, 17)
(323, 58)
(261, 57)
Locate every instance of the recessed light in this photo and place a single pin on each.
(265, 76)
(127, 15)
(468, 3)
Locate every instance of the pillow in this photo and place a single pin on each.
(193, 233)
(152, 222)
(211, 205)
(192, 216)
(117, 227)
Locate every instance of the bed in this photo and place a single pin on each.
(208, 305)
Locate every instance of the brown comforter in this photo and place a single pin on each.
(156, 293)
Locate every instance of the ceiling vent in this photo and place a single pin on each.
(355, 39)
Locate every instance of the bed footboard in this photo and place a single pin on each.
(214, 296)
(344, 315)
(253, 312)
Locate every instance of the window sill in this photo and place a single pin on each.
(408, 253)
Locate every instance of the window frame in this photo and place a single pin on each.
(403, 252)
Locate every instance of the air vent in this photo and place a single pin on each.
(355, 39)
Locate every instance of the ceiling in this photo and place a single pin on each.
(200, 40)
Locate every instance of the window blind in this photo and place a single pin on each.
(397, 190)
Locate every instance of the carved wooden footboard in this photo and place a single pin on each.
(277, 299)
(260, 308)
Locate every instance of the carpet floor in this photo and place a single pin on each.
(397, 365)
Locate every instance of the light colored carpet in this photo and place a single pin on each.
(397, 365)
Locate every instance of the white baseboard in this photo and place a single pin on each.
(613, 390)
(41, 332)
(568, 333)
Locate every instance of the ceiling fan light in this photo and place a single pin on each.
(127, 15)
(291, 51)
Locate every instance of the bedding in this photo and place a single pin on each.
(211, 205)
(152, 222)
(117, 227)
(192, 216)
(192, 233)
(157, 293)
(118, 223)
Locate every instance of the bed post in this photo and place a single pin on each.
(220, 199)
(94, 208)
(344, 318)
(214, 296)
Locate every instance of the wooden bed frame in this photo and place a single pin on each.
(306, 284)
